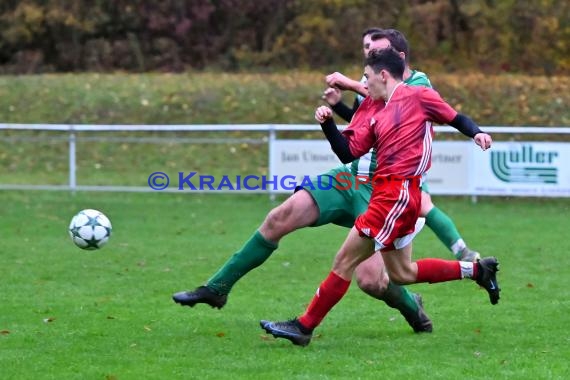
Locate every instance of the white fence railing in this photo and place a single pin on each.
(518, 168)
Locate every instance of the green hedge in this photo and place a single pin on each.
(204, 98)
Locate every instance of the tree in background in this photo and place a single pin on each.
(177, 35)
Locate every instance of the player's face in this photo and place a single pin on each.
(366, 41)
(375, 83)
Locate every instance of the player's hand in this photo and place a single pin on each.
(338, 80)
(323, 113)
(332, 96)
(483, 140)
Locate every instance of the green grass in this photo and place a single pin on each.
(72, 314)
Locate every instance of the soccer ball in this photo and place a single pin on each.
(90, 229)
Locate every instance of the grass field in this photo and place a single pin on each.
(72, 314)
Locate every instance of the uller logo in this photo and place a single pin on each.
(524, 165)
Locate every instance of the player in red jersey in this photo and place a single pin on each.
(396, 120)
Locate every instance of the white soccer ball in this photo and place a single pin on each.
(90, 229)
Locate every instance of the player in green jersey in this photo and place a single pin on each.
(314, 206)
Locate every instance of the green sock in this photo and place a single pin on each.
(253, 253)
(445, 230)
(400, 298)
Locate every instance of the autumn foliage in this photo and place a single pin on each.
(38, 36)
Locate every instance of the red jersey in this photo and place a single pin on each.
(400, 130)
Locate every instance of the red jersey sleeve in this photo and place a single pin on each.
(360, 131)
(437, 109)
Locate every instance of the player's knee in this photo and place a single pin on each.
(371, 283)
(277, 217)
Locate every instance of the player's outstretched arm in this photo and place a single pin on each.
(467, 126)
(339, 143)
(342, 82)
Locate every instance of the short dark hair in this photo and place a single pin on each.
(397, 40)
(371, 31)
(386, 59)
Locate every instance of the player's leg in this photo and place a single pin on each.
(299, 210)
(404, 271)
(354, 250)
(372, 278)
(320, 203)
(444, 228)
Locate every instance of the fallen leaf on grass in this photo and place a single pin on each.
(530, 285)
(4, 332)
(220, 334)
(147, 328)
(49, 320)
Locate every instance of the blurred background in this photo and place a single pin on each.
(40, 36)
(504, 63)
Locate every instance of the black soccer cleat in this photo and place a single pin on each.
(487, 277)
(201, 294)
(291, 330)
(419, 321)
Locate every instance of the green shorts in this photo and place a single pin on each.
(339, 197)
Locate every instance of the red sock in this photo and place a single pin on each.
(438, 270)
(332, 289)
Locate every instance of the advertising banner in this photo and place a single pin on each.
(293, 160)
(449, 173)
(458, 167)
(523, 169)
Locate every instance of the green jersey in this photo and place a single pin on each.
(366, 164)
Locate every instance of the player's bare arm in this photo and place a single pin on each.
(342, 82)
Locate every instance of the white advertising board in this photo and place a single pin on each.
(299, 158)
(449, 173)
(523, 169)
(458, 167)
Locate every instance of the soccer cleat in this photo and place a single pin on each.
(487, 277)
(419, 321)
(291, 330)
(469, 255)
(201, 294)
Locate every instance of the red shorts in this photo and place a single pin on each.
(392, 213)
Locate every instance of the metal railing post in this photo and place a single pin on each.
(72, 159)
(272, 137)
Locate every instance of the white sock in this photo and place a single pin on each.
(466, 269)
(458, 246)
